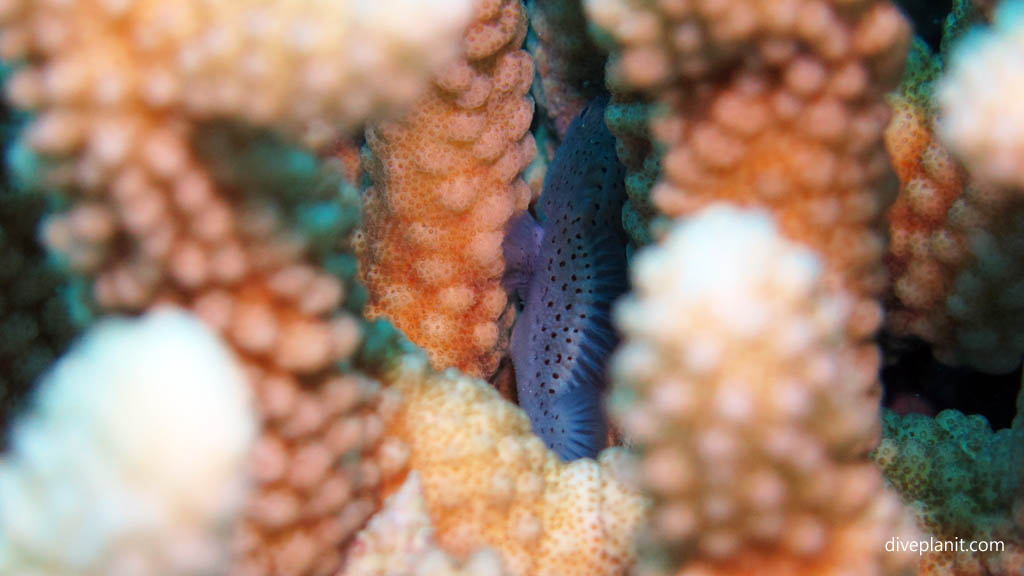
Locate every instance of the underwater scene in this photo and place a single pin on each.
(512, 288)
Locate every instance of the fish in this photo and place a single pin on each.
(566, 270)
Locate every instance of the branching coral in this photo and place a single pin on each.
(955, 253)
(489, 481)
(399, 541)
(629, 117)
(743, 394)
(774, 104)
(931, 181)
(169, 129)
(40, 306)
(981, 120)
(446, 181)
(963, 482)
(985, 128)
(570, 68)
(132, 460)
(309, 68)
(125, 96)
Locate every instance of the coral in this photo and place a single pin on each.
(537, 170)
(629, 117)
(237, 263)
(568, 272)
(931, 180)
(980, 119)
(199, 154)
(40, 305)
(399, 541)
(153, 118)
(489, 481)
(347, 150)
(955, 251)
(986, 8)
(41, 308)
(132, 460)
(964, 16)
(779, 105)
(446, 180)
(744, 397)
(963, 481)
(570, 68)
(311, 69)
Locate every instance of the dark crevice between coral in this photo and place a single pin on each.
(42, 308)
(928, 17)
(915, 382)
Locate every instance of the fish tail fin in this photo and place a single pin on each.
(583, 426)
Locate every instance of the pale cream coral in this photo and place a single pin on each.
(773, 104)
(748, 407)
(132, 459)
(447, 179)
(981, 117)
(489, 481)
(399, 541)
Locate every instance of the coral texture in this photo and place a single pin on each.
(311, 68)
(446, 180)
(132, 460)
(773, 104)
(955, 253)
(742, 394)
(981, 119)
(570, 68)
(489, 481)
(922, 245)
(399, 541)
(149, 117)
(963, 482)
(629, 118)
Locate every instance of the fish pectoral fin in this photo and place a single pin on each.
(521, 247)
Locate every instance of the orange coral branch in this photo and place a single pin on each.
(446, 181)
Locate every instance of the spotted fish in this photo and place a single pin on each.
(567, 271)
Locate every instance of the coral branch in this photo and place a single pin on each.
(310, 68)
(752, 416)
(778, 105)
(446, 182)
(399, 541)
(489, 481)
(132, 460)
(954, 256)
(963, 482)
(570, 68)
